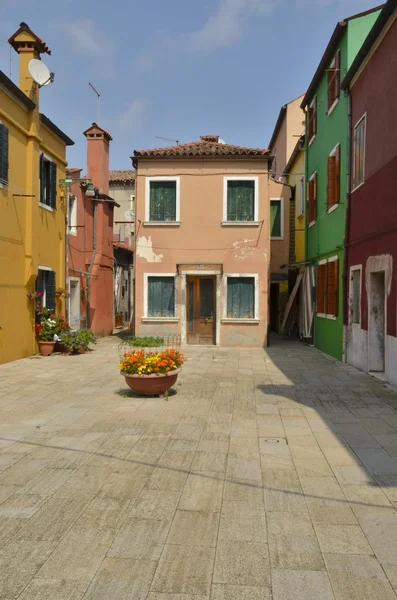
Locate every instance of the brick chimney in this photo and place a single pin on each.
(209, 138)
(98, 141)
(29, 46)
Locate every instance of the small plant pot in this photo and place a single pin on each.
(46, 348)
(152, 385)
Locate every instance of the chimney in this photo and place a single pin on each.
(98, 141)
(210, 138)
(29, 46)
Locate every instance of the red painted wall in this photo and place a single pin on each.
(372, 228)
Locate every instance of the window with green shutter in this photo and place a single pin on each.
(161, 297)
(45, 283)
(240, 200)
(3, 155)
(276, 230)
(162, 202)
(48, 182)
(240, 297)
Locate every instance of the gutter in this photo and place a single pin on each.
(347, 222)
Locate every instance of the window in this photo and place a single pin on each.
(45, 283)
(240, 297)
(312, 198)
(355, 295)
(72, 214)
(301, 196)
(161, 296)
(327, 287)
(274, 164)
(48, 182)
(359, 152)
(3, 155)
(276, 218)
(333, 76)
(240, 201)
(162, 200)
(312, 119)
(333, 177)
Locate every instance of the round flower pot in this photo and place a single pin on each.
(46, 348)
(152, 385)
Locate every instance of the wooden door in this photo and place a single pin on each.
(200, 310)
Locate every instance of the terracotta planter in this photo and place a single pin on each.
(81, 350)
(152, 385)
(46, 348)
(60, 347)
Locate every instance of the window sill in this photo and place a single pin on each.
(73, 233)
(357, 187)
(159, 320)
(301, 216)
(325, 316)
(276, 238)
(332, 108)
(161, 223)
(332, 208)
(240, 223)
(46, 207)
(312, 140)
(241, 321)
(312, 223)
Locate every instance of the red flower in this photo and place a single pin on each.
(37, 328)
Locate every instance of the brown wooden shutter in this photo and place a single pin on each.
(321, 288)
(337, 174)
(331, 181)
(315, 115)
(332, 288)
(337, 76)
(330, 79)
(315, 197)
(310, 197)
(311, 122)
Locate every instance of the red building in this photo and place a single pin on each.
(90, 238)
(371, 240)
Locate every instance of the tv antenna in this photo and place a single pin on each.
(99, 100)
(159, 137)
(40, 73)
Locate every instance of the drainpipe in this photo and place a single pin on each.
(91, 266)
(347, 221)
(67, 254)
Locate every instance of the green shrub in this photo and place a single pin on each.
(74, 340)
(144, 342)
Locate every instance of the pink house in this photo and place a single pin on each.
(90, 238)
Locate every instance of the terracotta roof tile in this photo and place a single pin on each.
(123, 246)
(121, 176)
(96, 129)
(209, 145)
(41, 47)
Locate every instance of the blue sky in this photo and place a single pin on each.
(174, 68)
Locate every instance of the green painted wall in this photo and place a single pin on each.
(326, 237)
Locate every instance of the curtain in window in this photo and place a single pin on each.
(240, 297)
(275, 218)
(162, 201)
(240, 200)
(161, 297)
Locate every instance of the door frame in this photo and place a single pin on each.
(70, 297)
(198, 272)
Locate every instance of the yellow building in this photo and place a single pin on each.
(33, 206)
(294, 172)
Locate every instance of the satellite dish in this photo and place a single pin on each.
(40, 73)
(221, 141)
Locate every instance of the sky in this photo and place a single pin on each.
(173, 68)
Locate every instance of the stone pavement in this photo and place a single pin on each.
(268, 475)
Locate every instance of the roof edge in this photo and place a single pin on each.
(277, 127)
(14, 89)
(298, 148)
(58, 132)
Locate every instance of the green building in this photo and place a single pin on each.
(326, 170)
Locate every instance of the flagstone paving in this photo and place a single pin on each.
(266, 475)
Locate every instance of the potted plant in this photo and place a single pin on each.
(61, 293)
(77, 342)
(151, 374)
(45, 331)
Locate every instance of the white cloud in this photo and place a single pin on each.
(131, 116)
(225, 26)
(87, 39)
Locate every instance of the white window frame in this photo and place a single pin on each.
(351, 270)
(313, 175)
(333, 259)
(254, 178)
(301, 196)
(145, 317)
(72, 215)
(313, 103)
(48, 159)
(336, 101)
(333, 153)
(363, 118)
(225, 318)
(321, 315)
(177, 221)
(280, 237)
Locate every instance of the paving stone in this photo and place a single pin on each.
(242, 563)
(203, 491)
(237, 592)
(53, 520)
(124, 579)
(308, 585)
(155, 504)
(381, 532)
(21, 506)
(342, 539)
(209, 462)
(140, 539)
(184, 570)
(194, 528)
(53, 589)
(19, 563)
(241, 523)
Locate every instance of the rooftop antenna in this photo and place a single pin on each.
(159, 137)
(5, 42)
(99, 101)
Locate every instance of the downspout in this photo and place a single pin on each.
(347, 221)
(91, 265)
(67, 284)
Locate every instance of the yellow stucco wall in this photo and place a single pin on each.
(30, 236)
(294, 178)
